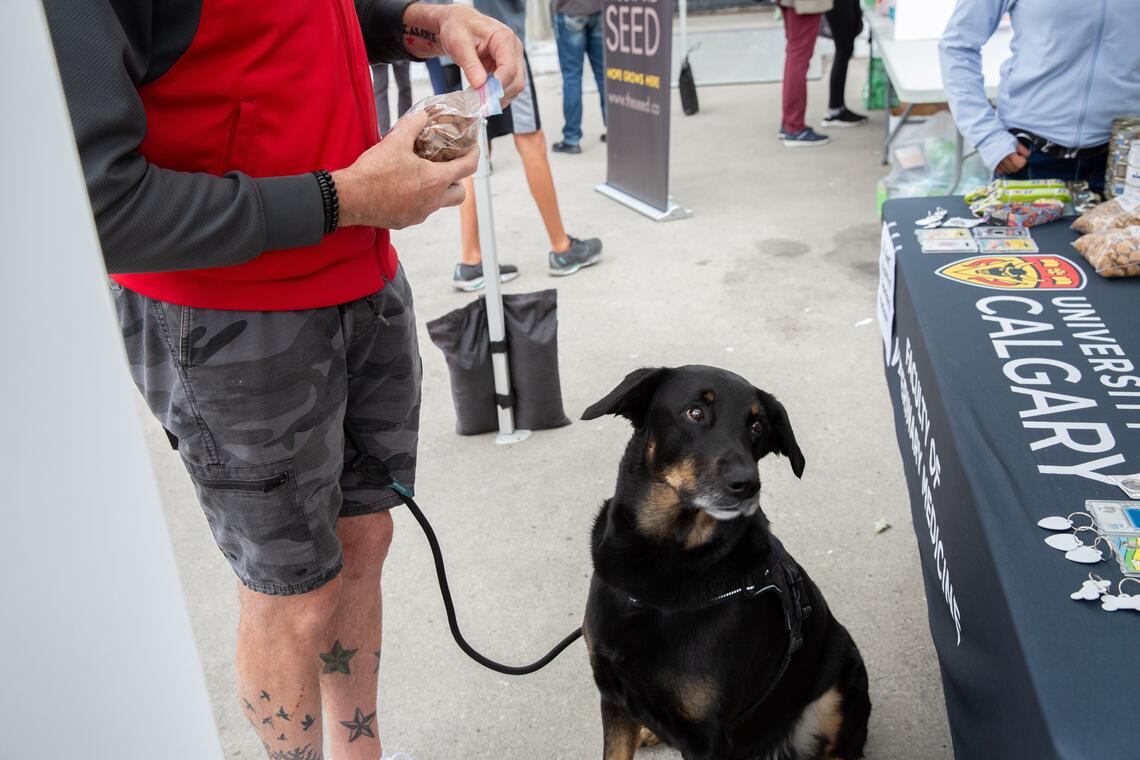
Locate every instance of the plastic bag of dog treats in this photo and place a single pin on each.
(454, 119)
(1114, 253)
(1122, 211)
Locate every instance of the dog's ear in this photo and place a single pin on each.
(783, 439)
(631, 397)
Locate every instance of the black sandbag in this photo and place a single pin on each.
(462, 336)
(531, 321)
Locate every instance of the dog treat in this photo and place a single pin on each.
(1122, 211)
(1026, 214)
(1114, 253)
(454, 120)
(1000, 186)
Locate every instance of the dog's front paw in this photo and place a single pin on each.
(647, 738)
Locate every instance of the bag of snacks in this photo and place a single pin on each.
(1114, 253)
(454, 119)
(1020, 214)
(1122, 211)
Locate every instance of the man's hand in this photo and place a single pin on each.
(1014, 162)
(479, 44)
(390, 186)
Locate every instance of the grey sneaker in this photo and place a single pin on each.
(581, 253)
(469, 277)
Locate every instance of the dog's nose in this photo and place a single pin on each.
(741, 482)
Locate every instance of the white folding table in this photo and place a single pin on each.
(915, 75)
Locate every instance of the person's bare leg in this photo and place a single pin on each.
(532, 150)
(469, 226)
(279, 639)
(350, 658)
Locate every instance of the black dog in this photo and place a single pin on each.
(700, 627)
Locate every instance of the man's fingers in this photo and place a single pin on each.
(505, 50)
(466, 57)
(453, 196)
(407, 128)
(462, 167)
(1023, 150)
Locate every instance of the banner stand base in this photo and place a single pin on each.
(518, 436)
(675, 211)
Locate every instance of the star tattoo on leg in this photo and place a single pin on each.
(336, 661)
(360, 725)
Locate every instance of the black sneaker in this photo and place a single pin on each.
(806, 137)
(843, 118)
(565, 147)
(581, 253)
(603, 136)
(469, 277)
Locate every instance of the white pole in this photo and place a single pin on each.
(684, 29)
(496, 328)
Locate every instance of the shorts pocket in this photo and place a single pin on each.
(258, 520)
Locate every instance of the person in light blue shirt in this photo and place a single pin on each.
(1075, 67)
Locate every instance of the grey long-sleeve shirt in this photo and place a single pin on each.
(152, 219)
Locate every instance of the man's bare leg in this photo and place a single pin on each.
(469, 226)
(350, 658)
(532, 150)
(279, 639)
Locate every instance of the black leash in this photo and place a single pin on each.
(374, 470)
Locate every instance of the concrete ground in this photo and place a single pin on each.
(773, 277)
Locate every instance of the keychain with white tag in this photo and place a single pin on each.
(1056, 522)
(1121, 600)
(932, 219)
(1092, 589)
(1088, 554)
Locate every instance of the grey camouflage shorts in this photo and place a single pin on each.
(255, 402)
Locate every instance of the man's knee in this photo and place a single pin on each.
(364, 542)
(300, 618)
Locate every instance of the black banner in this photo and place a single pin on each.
(1015, 381)
(638, 37)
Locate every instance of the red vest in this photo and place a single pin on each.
(269, 89)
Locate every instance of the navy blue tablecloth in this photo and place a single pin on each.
(1010, 381)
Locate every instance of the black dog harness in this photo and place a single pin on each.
(782, 577)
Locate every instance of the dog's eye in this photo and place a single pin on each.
(695, 413)
(756, 428)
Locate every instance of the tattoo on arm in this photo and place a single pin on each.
(414, 35)
(336, 661)
(360, 725)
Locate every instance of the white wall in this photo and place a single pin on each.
(98, 656)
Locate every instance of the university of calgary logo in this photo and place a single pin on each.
(1016, 273)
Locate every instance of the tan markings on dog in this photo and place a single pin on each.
(820, 721)
(682, 476)
(650, 451)
(700, 531)
(696, 697)
(620, 735)
(647, 738)
(659, 512)
(755, 410)
(710, 396)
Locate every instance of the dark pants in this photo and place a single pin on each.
(846, 21)
(1044, 166)
(380, 91)
(800, 29)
